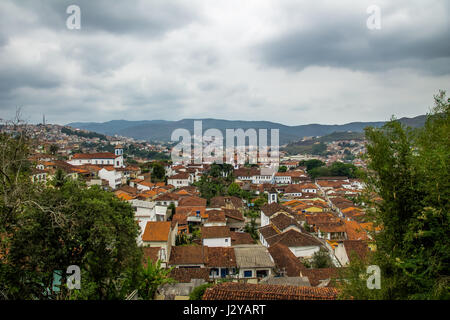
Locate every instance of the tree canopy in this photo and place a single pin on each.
(408, 170)
(46, 228)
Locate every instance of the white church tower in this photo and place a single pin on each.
(118, 152)
(273, 196)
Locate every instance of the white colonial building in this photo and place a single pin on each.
(101, 159)
(113, 176)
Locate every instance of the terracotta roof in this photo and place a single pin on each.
(246, 172)
(191, 201)
(238, 238)
(192, 211)
(128, 189)
(322, 218)
(189, 189)
(332, 178)
(316, 275)
(185, 275)
(358, 247)
(123, 195)
(293, 238)
(271, 209)
(67, 167)
(287, 174)
(180, 218)
(221, 257)
(308, 186)
(331, 227)
(216, 216)
(293, 188)
(180, 176)
(285, 260)
(282, 221)
(181, 255)
(293, 203)
(248, 291)
(168, 197)
(220, 202)
(146, 194)
(146, 184)
(109, 168)
(355, 231)
(99, 155)
(156, 231)
(234, 214)
(268, 231)
(150, 252)
(338, 200)
(329, 184)
(215, 232)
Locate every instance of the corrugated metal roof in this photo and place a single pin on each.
(253, 256)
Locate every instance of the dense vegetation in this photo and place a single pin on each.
(44, 229)
(340, 136)
(83, 134)
(317, 146)
(337, 169)
(317, 168)
(408, 169)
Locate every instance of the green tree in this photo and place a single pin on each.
(311, 164)
(408, 169)
(259, 202)
(60, 177)
(210, 187)
(53, 149)
(337, 169)
(221, 170)
(198, 292)
(321, 259)
(172, 209)
(319, 149)
(181, 239)
(150, 278)
(44, 229)
(158, 172)
(282, 169)
(234, 190)
(251, 228)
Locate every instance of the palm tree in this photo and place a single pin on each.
(59, 178)
(151, 277)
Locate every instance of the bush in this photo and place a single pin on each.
(198, 292)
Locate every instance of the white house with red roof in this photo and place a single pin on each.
(101, 158)
(182, 179)
(113, 176)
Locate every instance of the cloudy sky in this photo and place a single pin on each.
(294, 62)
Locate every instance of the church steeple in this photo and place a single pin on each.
(118, 161)
(118, 150)
(273, 195)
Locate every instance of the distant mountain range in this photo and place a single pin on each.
(161, 130)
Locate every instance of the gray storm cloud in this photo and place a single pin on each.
(293, 62)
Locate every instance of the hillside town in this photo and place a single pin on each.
(265, 228)
(224, 159)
